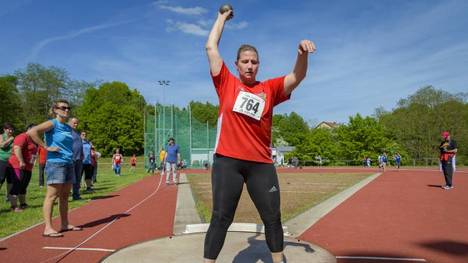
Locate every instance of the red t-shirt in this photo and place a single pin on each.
(239, 135)
(28, 150)
(42, 155)
(117, 159)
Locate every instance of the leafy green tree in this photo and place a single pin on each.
(204, 112)
(39, 87)
(419, 119)
(291, 128)
(113, 117)
(76, 90)
(319, 142)
(364, 137)
(10, 103)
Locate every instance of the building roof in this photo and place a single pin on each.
(327, 125)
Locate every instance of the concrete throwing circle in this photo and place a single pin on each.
(239, 248)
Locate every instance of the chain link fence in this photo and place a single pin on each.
(195, 139)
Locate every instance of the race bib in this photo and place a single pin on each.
(249, 104)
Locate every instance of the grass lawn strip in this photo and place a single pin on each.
(299, 192)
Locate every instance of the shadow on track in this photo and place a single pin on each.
(104, 220)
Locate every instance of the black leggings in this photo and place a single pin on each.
(227, 179)
(4, 173)
(447, 169)
(88, 171)
(20, 180)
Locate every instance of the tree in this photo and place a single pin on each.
(364, 137)
(319, 142)
(113, 117)
(291, 128)
(206, 112)
(10, 103)
(419, 119)
(39, 87)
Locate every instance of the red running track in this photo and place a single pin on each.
(107, 220)
(401, 214)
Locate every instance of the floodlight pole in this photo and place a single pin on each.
(164, 83)
(190, 132)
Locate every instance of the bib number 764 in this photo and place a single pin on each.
(249, 104)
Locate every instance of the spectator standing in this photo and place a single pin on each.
(162, 154)
(87, 162)
(117, 160)
(59, 166)
(384, 160)
(6, 146)
(295, 162)
(41, 158)
(171, 160)
(21, 164)
(77, 158)
(380, 161)
(397, 159)
(94, 161)
(151, 163)
(448, 149)
(133, 163)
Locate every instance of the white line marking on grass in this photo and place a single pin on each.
(81, 248)
(63, 255)
(382, 258)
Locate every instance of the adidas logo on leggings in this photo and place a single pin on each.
(273, 189)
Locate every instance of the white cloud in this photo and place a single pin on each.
(187, 28)
(205, 22)
(42, 44)
(237, 26)
(183, 10)
(200, 28)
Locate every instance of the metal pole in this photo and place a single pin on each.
(190, 133)
(145, 139)
(207, 143)
(155, 120)
(172, 121)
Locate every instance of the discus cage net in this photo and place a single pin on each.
(196, 139)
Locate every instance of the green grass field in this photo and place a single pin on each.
(299, 192)
(107, 182)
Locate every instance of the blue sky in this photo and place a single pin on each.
(370, 53)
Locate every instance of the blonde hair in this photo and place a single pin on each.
(55, 105)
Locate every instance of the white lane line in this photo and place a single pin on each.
(70, 250)
(80, 248)
(382, 258)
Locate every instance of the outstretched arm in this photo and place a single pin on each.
(214, 58)
(292, 80)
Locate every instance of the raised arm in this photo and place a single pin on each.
(292, 80)
(214, 58)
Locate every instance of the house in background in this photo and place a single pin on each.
(327, 125)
